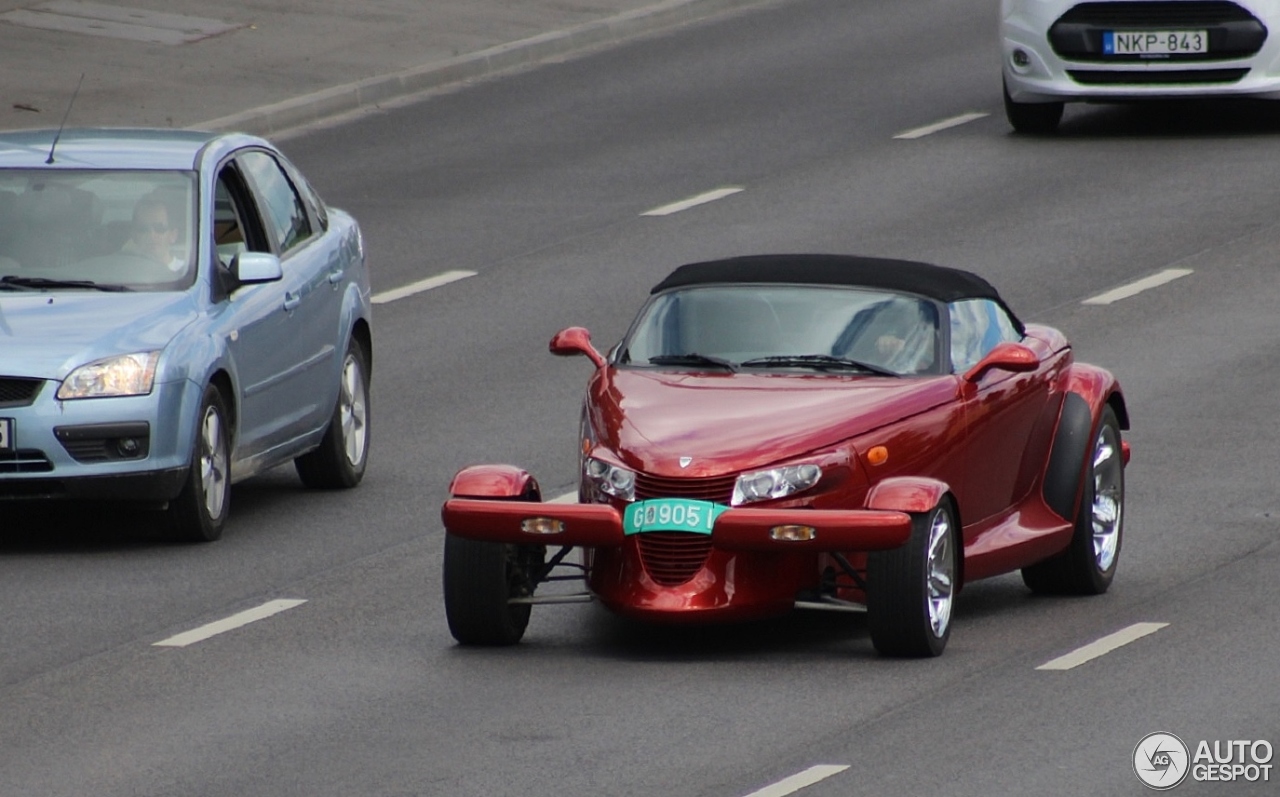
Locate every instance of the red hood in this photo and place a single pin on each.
(733, 422)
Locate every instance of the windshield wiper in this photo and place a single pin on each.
(44, 282)
(822, 362)
(692, 359)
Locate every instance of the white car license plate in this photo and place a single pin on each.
(1155, 42)
(6, 434)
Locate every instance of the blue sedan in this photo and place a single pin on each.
(178, 311)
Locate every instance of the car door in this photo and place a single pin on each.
(311, 299)
(1003, 410)
(260, 326)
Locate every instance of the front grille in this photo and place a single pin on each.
(673, 557)
(1195, 77)
(715, 488)
(24, 461)
(18, 392)
(1160, 15)
(1233, 32)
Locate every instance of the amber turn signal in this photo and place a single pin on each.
(541, 525)
(793, 533)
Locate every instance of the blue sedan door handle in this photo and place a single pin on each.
(292, 300)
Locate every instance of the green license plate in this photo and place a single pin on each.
(671, 514)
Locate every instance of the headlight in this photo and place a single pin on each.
(611, 479)
(125, 375)
(762, 485)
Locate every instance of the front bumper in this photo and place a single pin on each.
(156, 486)
(740, 529)
(129, 448)
(1035, 72)
(739, 571)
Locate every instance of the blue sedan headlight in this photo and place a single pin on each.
(763, 485)
(124, 375)
(611, 479)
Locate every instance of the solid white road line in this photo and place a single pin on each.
(798, 781)
(234, 621)
(420, 286)
(693, 201)
(955, 121)
(1102, 647)
(1133, 288)
(567, 498)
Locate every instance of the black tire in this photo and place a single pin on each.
(1088, 565)
(911, 590)
(480, 578)
(1033, 118)
(340, 460)
(200, 510)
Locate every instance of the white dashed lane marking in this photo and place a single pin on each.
(1134, 288)
(955, 121)
(1102, 647)
(800, 780)
(420, 286)
(693, 201)
(229, 624)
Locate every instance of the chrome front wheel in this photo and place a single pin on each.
(911, 590)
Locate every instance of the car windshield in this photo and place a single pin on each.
(824, 329)
(76, 229)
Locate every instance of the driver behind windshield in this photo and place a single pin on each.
(897, 334)
(153, 235)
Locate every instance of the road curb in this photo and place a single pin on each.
(328, 103)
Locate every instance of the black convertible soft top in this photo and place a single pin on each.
(907, 276)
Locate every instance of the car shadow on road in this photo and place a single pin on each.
(44, 527)
(1171, 119)
(801, 633)
(28, 527)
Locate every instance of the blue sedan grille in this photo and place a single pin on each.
(24, 461)
(18, 392)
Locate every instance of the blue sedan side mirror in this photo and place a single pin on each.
(251, 268)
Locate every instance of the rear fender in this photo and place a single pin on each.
(1088, 391)
(907, 494)
(495, 481)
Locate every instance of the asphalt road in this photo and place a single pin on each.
(537, 182)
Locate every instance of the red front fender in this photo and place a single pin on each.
(495, 481)
(907, 494)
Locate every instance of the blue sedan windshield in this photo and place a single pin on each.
(78, 227)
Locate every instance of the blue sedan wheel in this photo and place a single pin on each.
(340, 460)
(200, 510)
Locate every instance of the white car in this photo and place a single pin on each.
(1058, 51)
